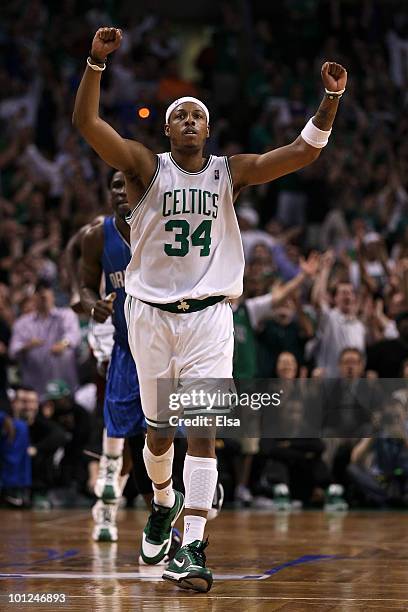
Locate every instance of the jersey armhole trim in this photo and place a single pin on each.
(229, 172)
(129, 217)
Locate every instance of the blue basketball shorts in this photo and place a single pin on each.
(123, 413)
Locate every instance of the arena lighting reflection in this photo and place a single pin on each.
(144, 113)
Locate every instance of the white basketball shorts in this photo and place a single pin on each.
(178, 349)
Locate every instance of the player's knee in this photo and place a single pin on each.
(201, 447)
(159, 466)
(158, 442)
(159, 447)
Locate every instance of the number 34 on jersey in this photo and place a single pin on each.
(194, 202)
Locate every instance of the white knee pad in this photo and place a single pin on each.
(158, 467)
(200, 479)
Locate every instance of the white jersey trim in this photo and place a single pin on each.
(120, 235)
(129, 217)
(191, 173)
(229, 175)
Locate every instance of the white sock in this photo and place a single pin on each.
(164, 497)
(193, 528)
(113, 447)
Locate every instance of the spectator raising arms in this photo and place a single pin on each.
(339, 326)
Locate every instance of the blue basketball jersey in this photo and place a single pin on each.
(115, 258)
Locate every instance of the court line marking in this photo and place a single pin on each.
(151, 574)
(111, 576)
(51, 556)
(155, 575)
(293, 562)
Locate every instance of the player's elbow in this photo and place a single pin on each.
(77, 115)
(81, 121)
(78, 121)
(86, 126)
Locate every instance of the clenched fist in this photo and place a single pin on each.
(103, 308)
(334, 76)
(105, 41)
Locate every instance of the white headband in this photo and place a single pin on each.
(179, 101)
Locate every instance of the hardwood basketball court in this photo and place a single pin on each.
(261, 561)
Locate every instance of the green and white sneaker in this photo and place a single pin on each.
(104, 516)
(157, 535)
(187, 570)
(107, 485)
(281, 497)
(335, 501)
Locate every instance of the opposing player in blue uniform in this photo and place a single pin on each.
(105, 253)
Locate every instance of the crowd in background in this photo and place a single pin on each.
(326, 279)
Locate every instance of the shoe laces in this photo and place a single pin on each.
(157, 522)
(107, 514)
(104, 514)
(111, 469)
(197, 552)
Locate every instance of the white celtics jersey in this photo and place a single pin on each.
(184, 235)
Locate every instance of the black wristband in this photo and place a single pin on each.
(333, 96)
(95, 61)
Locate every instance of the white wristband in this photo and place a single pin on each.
(338, 94)
(95, 67)
(314, 136)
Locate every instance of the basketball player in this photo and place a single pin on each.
(187, 260)
(105, 253)
(112, 471)
(102, 248)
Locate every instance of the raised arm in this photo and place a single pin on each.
(261, 307)
(308, 270)
(256, 169)
(132, 158)
(319, 291)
